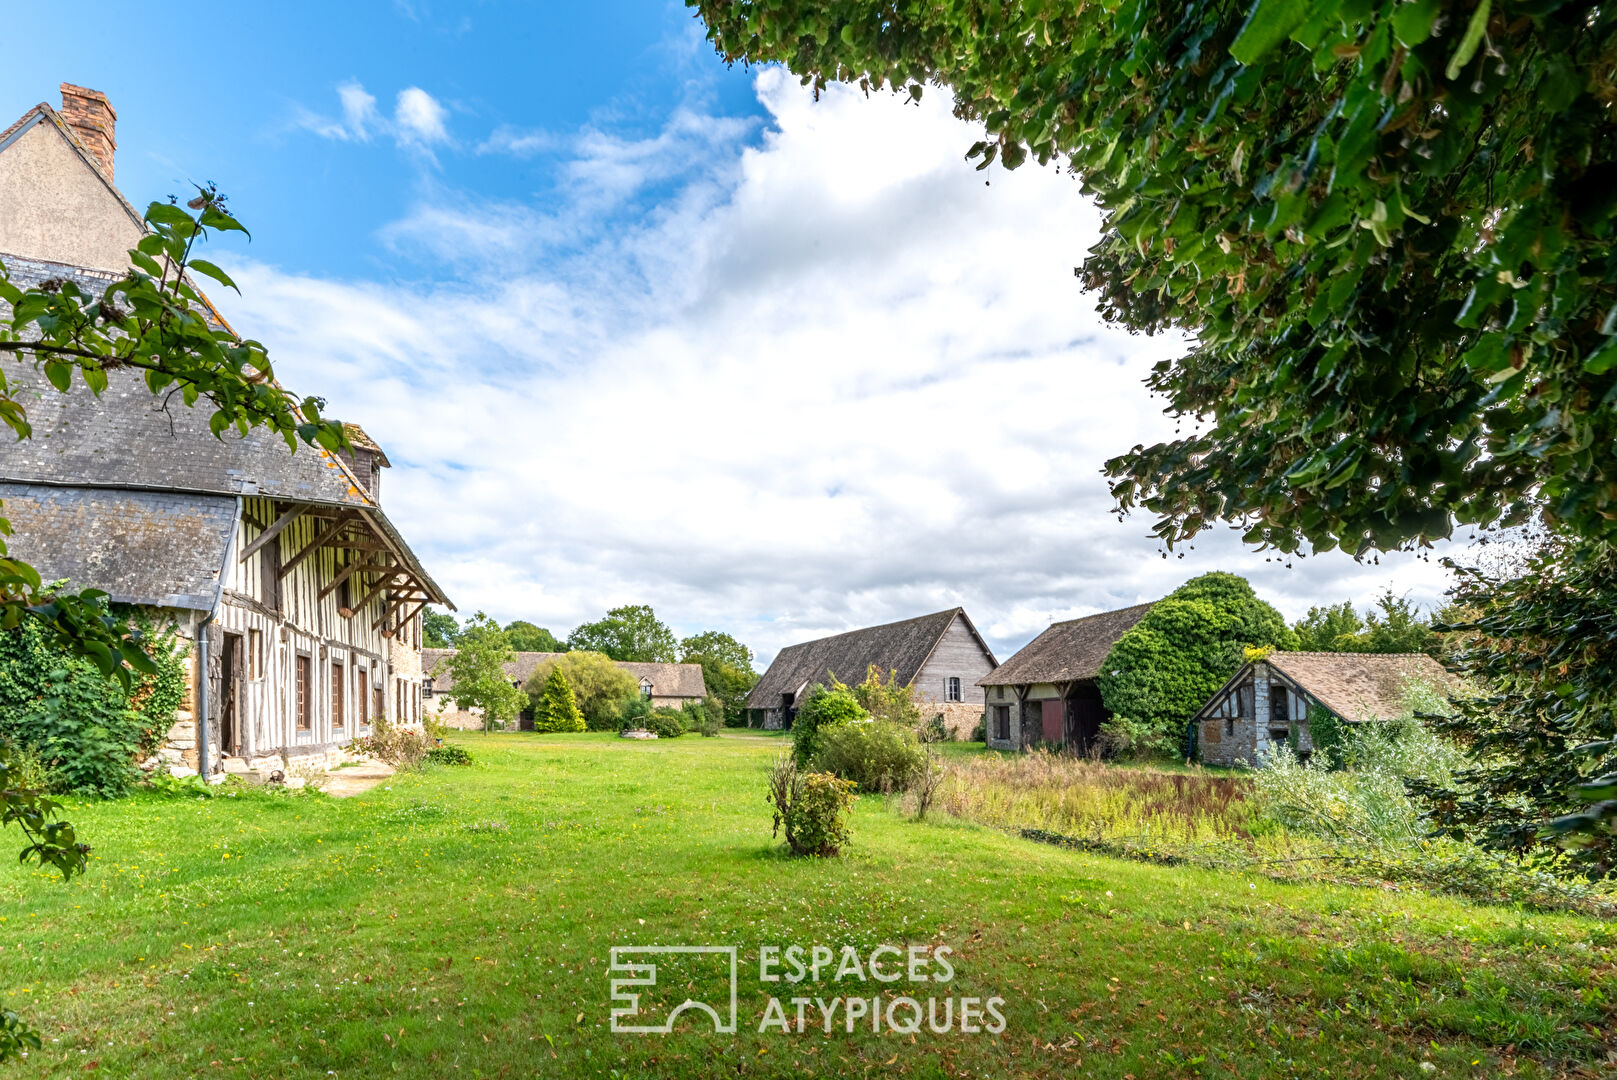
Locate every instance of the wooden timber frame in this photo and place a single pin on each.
(378, 566)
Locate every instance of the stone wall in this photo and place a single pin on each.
(960, 718)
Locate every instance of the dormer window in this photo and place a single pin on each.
(645, 689)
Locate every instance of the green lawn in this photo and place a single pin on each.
(457, 923)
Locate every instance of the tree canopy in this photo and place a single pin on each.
(1386, 225)
(726, 668)
(1188, 645)
(477, 671)
(631, 633)
(524, 636)
(439, 630)
(599, 686)
(1393, 625)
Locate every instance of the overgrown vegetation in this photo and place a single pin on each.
(1169, 663)
(477, 668)
(85, 731)
(876, 755)
(822, 707)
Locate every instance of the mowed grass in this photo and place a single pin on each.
(458, 923)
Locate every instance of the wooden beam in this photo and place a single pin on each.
(381, 583)
(342, 576)
(391, 607)
(405, 621)
(328, 533)
(272, 532)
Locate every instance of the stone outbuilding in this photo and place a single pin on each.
(1268, 701)
(940, 657)
(297, 597)
(1047, 694)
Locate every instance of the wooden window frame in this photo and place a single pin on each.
(339, 695)
(952, 690)
(302, 676)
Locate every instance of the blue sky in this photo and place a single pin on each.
(637, 328)
(235, 109)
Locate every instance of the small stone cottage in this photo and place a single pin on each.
(299, 600)
(670, 685)
(1268, 700)
(1047, 693)
(940, 657)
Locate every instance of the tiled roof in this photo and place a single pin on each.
(1067, 651)
(1358, 686)
(901, 647)
(132, 439)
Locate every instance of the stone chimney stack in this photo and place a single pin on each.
(90, 116)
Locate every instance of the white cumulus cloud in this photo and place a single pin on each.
(833, 377)
(419, 120)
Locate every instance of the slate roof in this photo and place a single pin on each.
(141, 547)
(1358, 686)
(901, 647)
(1068, 651)
(667, 680)
(127, 439)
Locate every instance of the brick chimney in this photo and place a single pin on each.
(90, 116)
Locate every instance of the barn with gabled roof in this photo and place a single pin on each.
(940, 657)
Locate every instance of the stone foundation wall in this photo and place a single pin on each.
(960, 718)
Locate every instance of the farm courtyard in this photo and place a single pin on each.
(458, 922)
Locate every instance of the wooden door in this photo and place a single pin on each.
(1053, 717)
(230, 685)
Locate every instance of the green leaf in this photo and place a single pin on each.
(1468, 44)
(162, 213)
(1602, 359)
(203, 266)
(1412, 22)
(1268, 24)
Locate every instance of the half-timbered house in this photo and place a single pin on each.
(299, 600)
(1271, 701)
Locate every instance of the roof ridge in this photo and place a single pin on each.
(878, 626)
(1099, 614)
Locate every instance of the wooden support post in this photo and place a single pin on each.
(272, 532)
(319, 541)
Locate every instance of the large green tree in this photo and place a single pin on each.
(726, 668)
(554, 706)
(477, 670)
(1387, 226)
(632, 633)
(599, 686)
(524, 636)
(1188, 645)
(1541, 645)
(439, 630)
